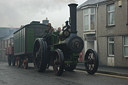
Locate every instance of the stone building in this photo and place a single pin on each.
(103, 24)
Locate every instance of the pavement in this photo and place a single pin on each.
(107, 70)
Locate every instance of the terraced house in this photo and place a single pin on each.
(103, 24)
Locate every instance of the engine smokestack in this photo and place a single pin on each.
(73, 17)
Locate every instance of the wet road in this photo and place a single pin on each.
(19, 76)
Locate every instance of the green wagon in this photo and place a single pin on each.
(24, 41)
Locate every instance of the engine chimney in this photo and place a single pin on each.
(73, 17)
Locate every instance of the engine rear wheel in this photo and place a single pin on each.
(58, 62)
(40, 55)
(91, 61)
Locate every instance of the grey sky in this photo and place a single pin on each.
(15, 13)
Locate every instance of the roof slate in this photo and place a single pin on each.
(90, 2)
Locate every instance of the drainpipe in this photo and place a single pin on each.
(97, 49)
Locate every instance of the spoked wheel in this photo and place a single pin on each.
(58, 62)
(18, 61)
(25, 62)
(40, 55)
(91, 61)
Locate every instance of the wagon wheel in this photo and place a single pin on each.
(25, 63)
(91, 61)
(18, 61)
(58, 62)
(40, 55)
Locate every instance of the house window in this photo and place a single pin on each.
(126, 46)
(111, 14)
(89, 19)
(111, 46)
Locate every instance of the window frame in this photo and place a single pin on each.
(124, 46)
(111, 42)
(108, 12)
(89, 18)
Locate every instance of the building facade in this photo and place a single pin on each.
(6, 37)
(111, 29)
(87, 24)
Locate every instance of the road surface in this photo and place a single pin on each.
(10, 75)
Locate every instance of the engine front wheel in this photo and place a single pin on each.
(91, 61)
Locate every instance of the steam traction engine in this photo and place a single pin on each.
(61, 49)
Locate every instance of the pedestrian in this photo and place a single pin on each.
(10, 53)
(81, 56)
